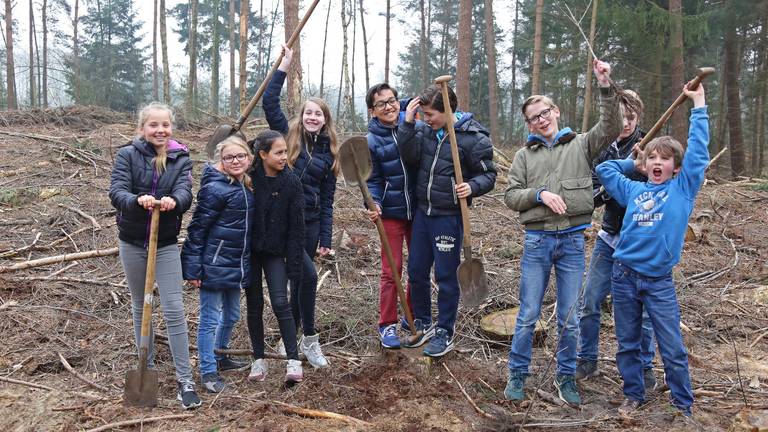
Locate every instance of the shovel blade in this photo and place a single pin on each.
(221, 133)
(140, 388)
(473, 282)
(355, 160)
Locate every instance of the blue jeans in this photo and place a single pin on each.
(541, 252)
(435, 240)
(597, 287)
(631, 293)
(219, 312)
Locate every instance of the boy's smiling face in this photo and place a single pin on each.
(660, 167)
(389, 107)
(433, 118)
(541, 119)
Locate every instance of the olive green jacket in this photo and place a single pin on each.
(563, 169)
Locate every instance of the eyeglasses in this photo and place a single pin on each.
(381, 104)
(241, 157)
(542, 115)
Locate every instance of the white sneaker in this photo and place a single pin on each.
(310, 346)
(280, 348)
(258, 370)
(293, 372)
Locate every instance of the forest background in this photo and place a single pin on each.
(99, 52)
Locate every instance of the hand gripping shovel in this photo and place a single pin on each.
(141, 384)
(222, 132)
(356, 167)
(471, 273)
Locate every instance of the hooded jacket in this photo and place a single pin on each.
(134, 174)
(217, 249)
(419, 145)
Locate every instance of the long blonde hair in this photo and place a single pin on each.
(238, 142)
(162, 154)
(297, 134)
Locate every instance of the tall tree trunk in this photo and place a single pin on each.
(722, 127)
(679, 117)
(155, 84)
(573, 81)
(423, 47)
(490, 48)
(512, 91)
(38, 76)
(365, 47)
(346, 19)
(44, 10)
(32, 86)
(245, 10)
(260, 46)
(386, 44)
(588, 76)
(464, 53)
(9, 67)
(75, 52)
(291, 14)
(215, 55)
(164, 50)
(232, 89)
(536, 72)
(734, 101)
(353, 6)
(758, 145)
(192, 81)
(325, 45)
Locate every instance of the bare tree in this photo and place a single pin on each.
(588, 76)
(75, 51)
(325, 44)
(291, 15)
(423, 47)
(679, 120)
(464, 53)
(155, 92)
(762, 92)
(733, 70)
(9, 66)
(44, 17)
(512, 91)
(164, 49)
(353, 6)
(32, 84)
(215, 52)
(232, 49)
(245, 10)
(344, 83)
(192, 49)
(387, 43)
(490, 48)
(365, 46)
(536, 73)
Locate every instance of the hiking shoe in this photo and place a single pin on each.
(424, 332)
(227, 363)
(566, 389)
(649, 378)
(258, 370)
(388, 336)
(187, 396)
(440, 344)
(586, 369)
(212, 383)
(628, 407)
(293, 372)
(514, 389)
(280, 348)
(310, 346)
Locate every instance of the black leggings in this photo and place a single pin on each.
(303, 292)
(273, 267)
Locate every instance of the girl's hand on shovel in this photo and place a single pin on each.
(146, 201)
(463, 190)
(285, 63)
(167, 204)
(602, 73)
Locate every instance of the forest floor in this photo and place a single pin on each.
(54, 178)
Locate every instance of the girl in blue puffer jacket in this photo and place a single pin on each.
(216, 255)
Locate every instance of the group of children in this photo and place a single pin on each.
(265, 208)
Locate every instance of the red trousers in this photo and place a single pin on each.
(397, 230)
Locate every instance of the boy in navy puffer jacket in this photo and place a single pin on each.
(391, 185)
(216, 257)
(437, 228)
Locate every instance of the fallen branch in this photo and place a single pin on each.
(717, 156)
(471, 402)
(83, 214)
(59, 258)
(79, 376)
(757, 339)
(310, 413)
(246, 352)
(140, 421)
(44, 387)
(13, 252)
(68, 279)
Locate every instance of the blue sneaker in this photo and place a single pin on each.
(404, 325)
(388, 336)
(440, 344)
(566, 389)
(424, 332)
(515, 384)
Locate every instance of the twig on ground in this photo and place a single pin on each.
(472, 402)
(44, 387)
(83, 214)
(738, 368)
(304, 412)
(79, 376)
(140, 421)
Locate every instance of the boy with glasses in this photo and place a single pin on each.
(391, 185)
(550, 184)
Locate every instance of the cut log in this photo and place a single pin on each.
(501, 324)
(750, 420)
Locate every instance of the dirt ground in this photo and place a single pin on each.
(54, 178)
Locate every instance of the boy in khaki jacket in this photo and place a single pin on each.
(550, 184)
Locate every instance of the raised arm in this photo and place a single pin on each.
(271, 99)
(409, 134)
(609, 127)
(696, 156)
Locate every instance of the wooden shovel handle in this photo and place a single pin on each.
(443, 81)
(263, 87)
(149, 280)
(700, 75)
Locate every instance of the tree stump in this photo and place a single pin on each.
(749, 420)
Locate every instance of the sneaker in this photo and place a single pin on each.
(258, 370)
(404, 325)
(440, 344)
(280, 348)
(650, 380)
(310, 346)
(293, 372)
(187, 396)
(388, 336)
(212, 383)
(566, 389)
(424, 332)
(586, 369)
(514, 389)
(628, 407)
(227, 363)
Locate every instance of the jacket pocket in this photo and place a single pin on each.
(218, 249)
(577, 194)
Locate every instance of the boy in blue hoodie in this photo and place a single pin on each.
(437, 230)
(650, 243)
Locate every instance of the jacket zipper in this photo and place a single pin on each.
(309, 155)
(432, 176)
(218, 249)
(245, 238)
(405, 180)
(453, 191)
(383, 195)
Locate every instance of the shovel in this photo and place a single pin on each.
(222, 132)
(356, 167)
(471, 273)
(141, 384)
